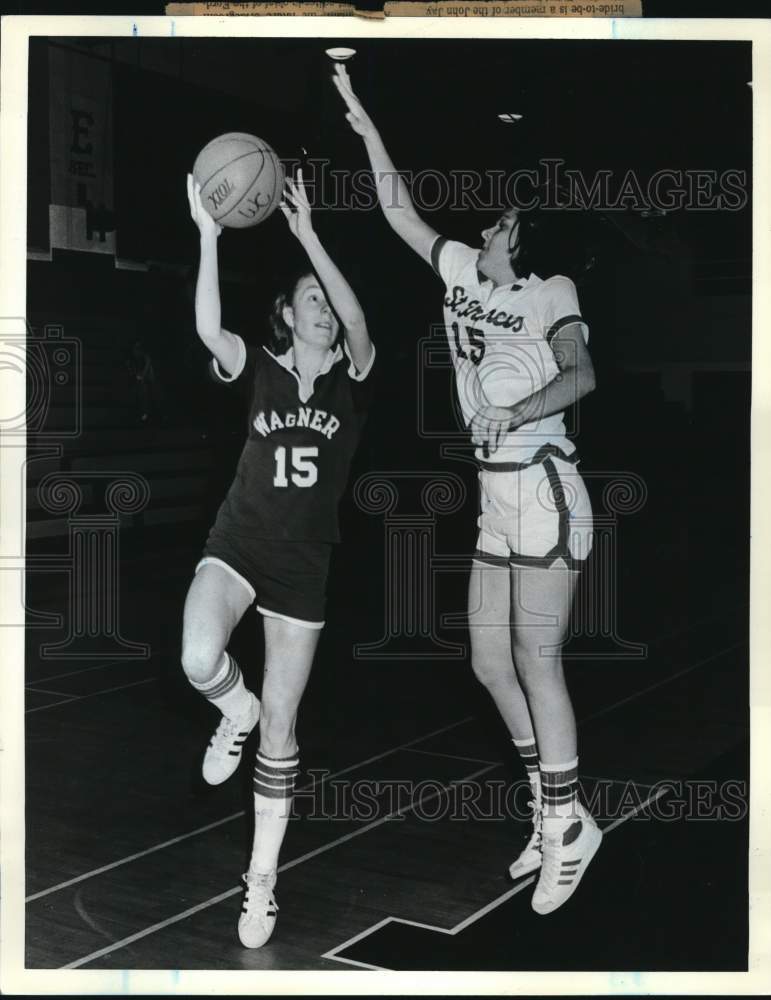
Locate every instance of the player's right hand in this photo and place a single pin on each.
(198, 213)
(359, 120)
(489, 426)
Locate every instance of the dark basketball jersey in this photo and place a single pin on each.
(294, 465)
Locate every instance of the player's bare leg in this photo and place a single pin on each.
(540, 602)
(570, 836)
(489, 609)
(216, 602)
(289, 652)
(491, 656)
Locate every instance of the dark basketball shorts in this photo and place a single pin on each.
(287, 579)
(537, 514)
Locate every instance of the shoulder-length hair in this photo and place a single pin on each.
(550, 242)
(280, 334)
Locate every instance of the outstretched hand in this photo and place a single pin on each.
(298, 210)
(359, 120)
(198, 213)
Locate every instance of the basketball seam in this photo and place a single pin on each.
(234, 137)
(235, 160)
(234, 207)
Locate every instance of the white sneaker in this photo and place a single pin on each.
(530, 857)
(223, 754)
(569, 844)
(258, 912)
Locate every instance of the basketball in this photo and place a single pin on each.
(241, 179)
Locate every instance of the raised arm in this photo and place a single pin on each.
(222, 344)
(392, 192)
(341, 296)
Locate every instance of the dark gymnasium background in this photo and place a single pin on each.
(668, 305)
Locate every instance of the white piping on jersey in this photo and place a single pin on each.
(239, 365)
(518, 285)
(286, 360)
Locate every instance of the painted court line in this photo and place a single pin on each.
(454, 756)
(93, 694)
(501, 763)
(124, 942)
(129, 858)
(665, 680)
(227, 819)
(403, 746)
(333, 953)
(96, 666)
(59, 694)
(359, 965)
(383, 819)
(70, 673)
(52, 704)
(614, 781)
(151, 930)
(182, 916)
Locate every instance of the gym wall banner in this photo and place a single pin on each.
(81, 207)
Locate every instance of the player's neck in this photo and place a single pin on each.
(308, 358)
(501, 276)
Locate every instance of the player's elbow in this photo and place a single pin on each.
(581, 380)
(588, 381)
(209, 335)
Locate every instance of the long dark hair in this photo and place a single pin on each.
(549, 242)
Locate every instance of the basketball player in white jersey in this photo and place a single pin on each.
(519, 350)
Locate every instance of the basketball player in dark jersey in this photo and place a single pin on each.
(272, 537)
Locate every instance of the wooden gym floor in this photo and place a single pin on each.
(398, 858)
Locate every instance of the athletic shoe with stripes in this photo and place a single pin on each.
(223, 754)
(530, 857)
(259, 909)
(569, 844)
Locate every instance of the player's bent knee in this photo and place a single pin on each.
(537, 647)
(538, 669)
(491, 673)
(200, 662)
(481, 672)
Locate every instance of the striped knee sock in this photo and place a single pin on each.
(528, 752)
(560, 788)
(274, 779)
(226, 689)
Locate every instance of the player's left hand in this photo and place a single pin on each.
(489, 425)
(296, 208)
(207, 226)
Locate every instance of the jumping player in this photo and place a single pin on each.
(273, 534)
(517, 338)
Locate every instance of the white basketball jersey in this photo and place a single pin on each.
(499, 339)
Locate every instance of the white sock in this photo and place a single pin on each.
(274, 780)
(227, 690)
